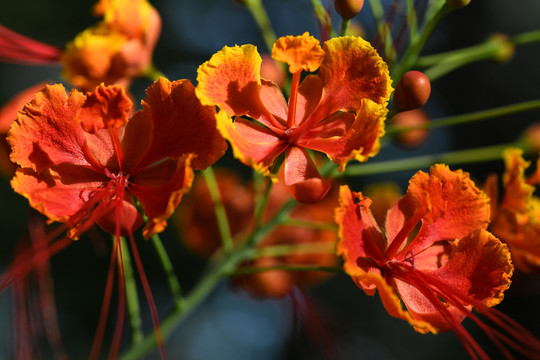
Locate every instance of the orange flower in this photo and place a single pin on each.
(198, 224)
(516, 219)
(81, 161)
(115, 50)
(340, 111)
(435, 257)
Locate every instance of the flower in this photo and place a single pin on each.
(81, 161)
(117, 49)
(516, 219)
(435, 256)
(340, 111)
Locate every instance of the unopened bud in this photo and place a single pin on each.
(532, 137)
(408, 119)
(348, 8)
(458, 3)
(412, 91)
(505, 48)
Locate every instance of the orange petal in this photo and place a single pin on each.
(343, 137)
(301, 177)
(309, 95)
(299, 52)
(351, 71)
(254, 145)
(127, 218)
(177, 124)
(517, 192)
(452, 205)
(159, 200)
(46, 131)
(231, 80)
(58, 194)
(105, 107)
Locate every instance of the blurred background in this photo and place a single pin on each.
(340, 321)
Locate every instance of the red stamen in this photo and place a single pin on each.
(291, 114)
(117, 148)
(403, 234)
(118, 330)
(149, 298)
(520, 339)
(105, 305)
(92, 159)
(19, 48)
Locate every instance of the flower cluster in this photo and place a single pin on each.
(440, 254)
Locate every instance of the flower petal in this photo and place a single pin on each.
(351, 71)
(252, 144)
(452, 205)
(179, 125)
(231, 80)
(517, 192)
(343, 137)
(46, 131)
(105, 107)
(160, 200)
(301, 176)
(309, 95)
(299, 52)
(61, 193)
(361, 242)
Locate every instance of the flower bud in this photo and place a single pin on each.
(505, 48)
(348, 8)
(415, 117)
(412, 91)
(458, 3)
(531, 136)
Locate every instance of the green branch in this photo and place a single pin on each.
(260, 16)
(253, 270)
(167, 266)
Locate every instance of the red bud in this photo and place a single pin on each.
(411, 118)
(348, 8)
(412, 91)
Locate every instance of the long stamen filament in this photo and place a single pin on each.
(403, 234)
(292, 99)
(117, 148)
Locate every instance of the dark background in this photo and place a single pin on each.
(230, 325)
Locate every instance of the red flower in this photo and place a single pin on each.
(340, 111)
(81, 161)
(434, 257)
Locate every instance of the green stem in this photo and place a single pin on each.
(525, 38)
(253, 270)
(132, 298)
(258, 12)
(411, 20)
(166, 263)
(303, 248)
(469, 118)
(345, 26)
(422, 162)
(410, 56)
(221, 214)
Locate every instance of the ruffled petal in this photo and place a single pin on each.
(351, 71)
(231, 80)
(479, 268)
(452, 205)
(517, 192)
(299, 52)
(252, 144)
(301, 177)
(343, 137)
(105, 107)
(179, 124)
(61, 193)
(8, 112)
(159, 200)
(46, 131)
(361, 242)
